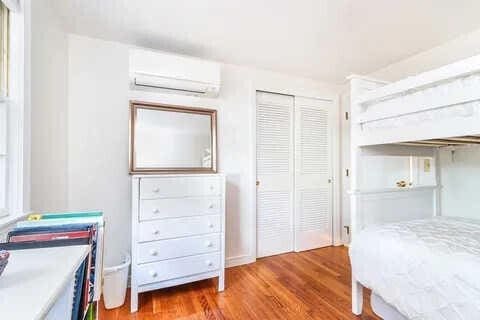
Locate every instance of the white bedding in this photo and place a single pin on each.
(427, 269)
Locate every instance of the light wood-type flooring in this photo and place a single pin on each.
(308, 285)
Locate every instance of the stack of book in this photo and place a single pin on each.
(67, 229)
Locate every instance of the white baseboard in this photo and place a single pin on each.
(239, 260)
(338, 243)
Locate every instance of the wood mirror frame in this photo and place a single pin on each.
(135, 105)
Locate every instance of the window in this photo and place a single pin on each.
(3, 159)
(4, 66)
(13, 108)
(4, 49)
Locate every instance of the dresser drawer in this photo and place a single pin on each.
(179, 227)
(151, 209)
(177, 268)
(154, 188)
(175, 248)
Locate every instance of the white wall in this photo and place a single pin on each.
(48, 110)
(92, 162)
(460, 176)
(97, 136)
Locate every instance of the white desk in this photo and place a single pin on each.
(38, 283)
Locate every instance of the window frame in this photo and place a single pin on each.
(4, 50)
(17, 109)
(4, 79)
(3, 159)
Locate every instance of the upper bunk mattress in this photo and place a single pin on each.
(427, 269)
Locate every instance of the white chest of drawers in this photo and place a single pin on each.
(178, 231)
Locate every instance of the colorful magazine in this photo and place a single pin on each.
(50, 236)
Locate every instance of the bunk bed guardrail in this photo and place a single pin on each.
(448, 93)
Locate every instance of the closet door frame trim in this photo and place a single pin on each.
(336, 187)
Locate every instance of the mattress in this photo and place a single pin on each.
(426, 269)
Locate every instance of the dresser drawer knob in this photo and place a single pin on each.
(153, 252)
(210, 225)
(156, 190)
(212, 188)
(209, 263)
(209, 244)
(211, 206)
(156, 211)
(156, 232)
(153, 273)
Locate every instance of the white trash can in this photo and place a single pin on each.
(115, 283)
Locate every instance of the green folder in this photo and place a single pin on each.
(65, 215)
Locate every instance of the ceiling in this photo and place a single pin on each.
(320, 39)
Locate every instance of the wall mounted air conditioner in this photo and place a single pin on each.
(152, 70)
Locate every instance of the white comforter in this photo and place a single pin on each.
(427, 269)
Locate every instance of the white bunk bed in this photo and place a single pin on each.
(418, 264)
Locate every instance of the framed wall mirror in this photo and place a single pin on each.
(172, 139)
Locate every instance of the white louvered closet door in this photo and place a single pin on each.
(275, 173)
(313, 173)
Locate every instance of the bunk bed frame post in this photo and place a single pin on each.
(358, 85)
(357, 288)
(437, 194)
(357, 297)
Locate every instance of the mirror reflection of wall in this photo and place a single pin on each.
(173, 139)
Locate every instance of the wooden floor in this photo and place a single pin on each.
(308, 285)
